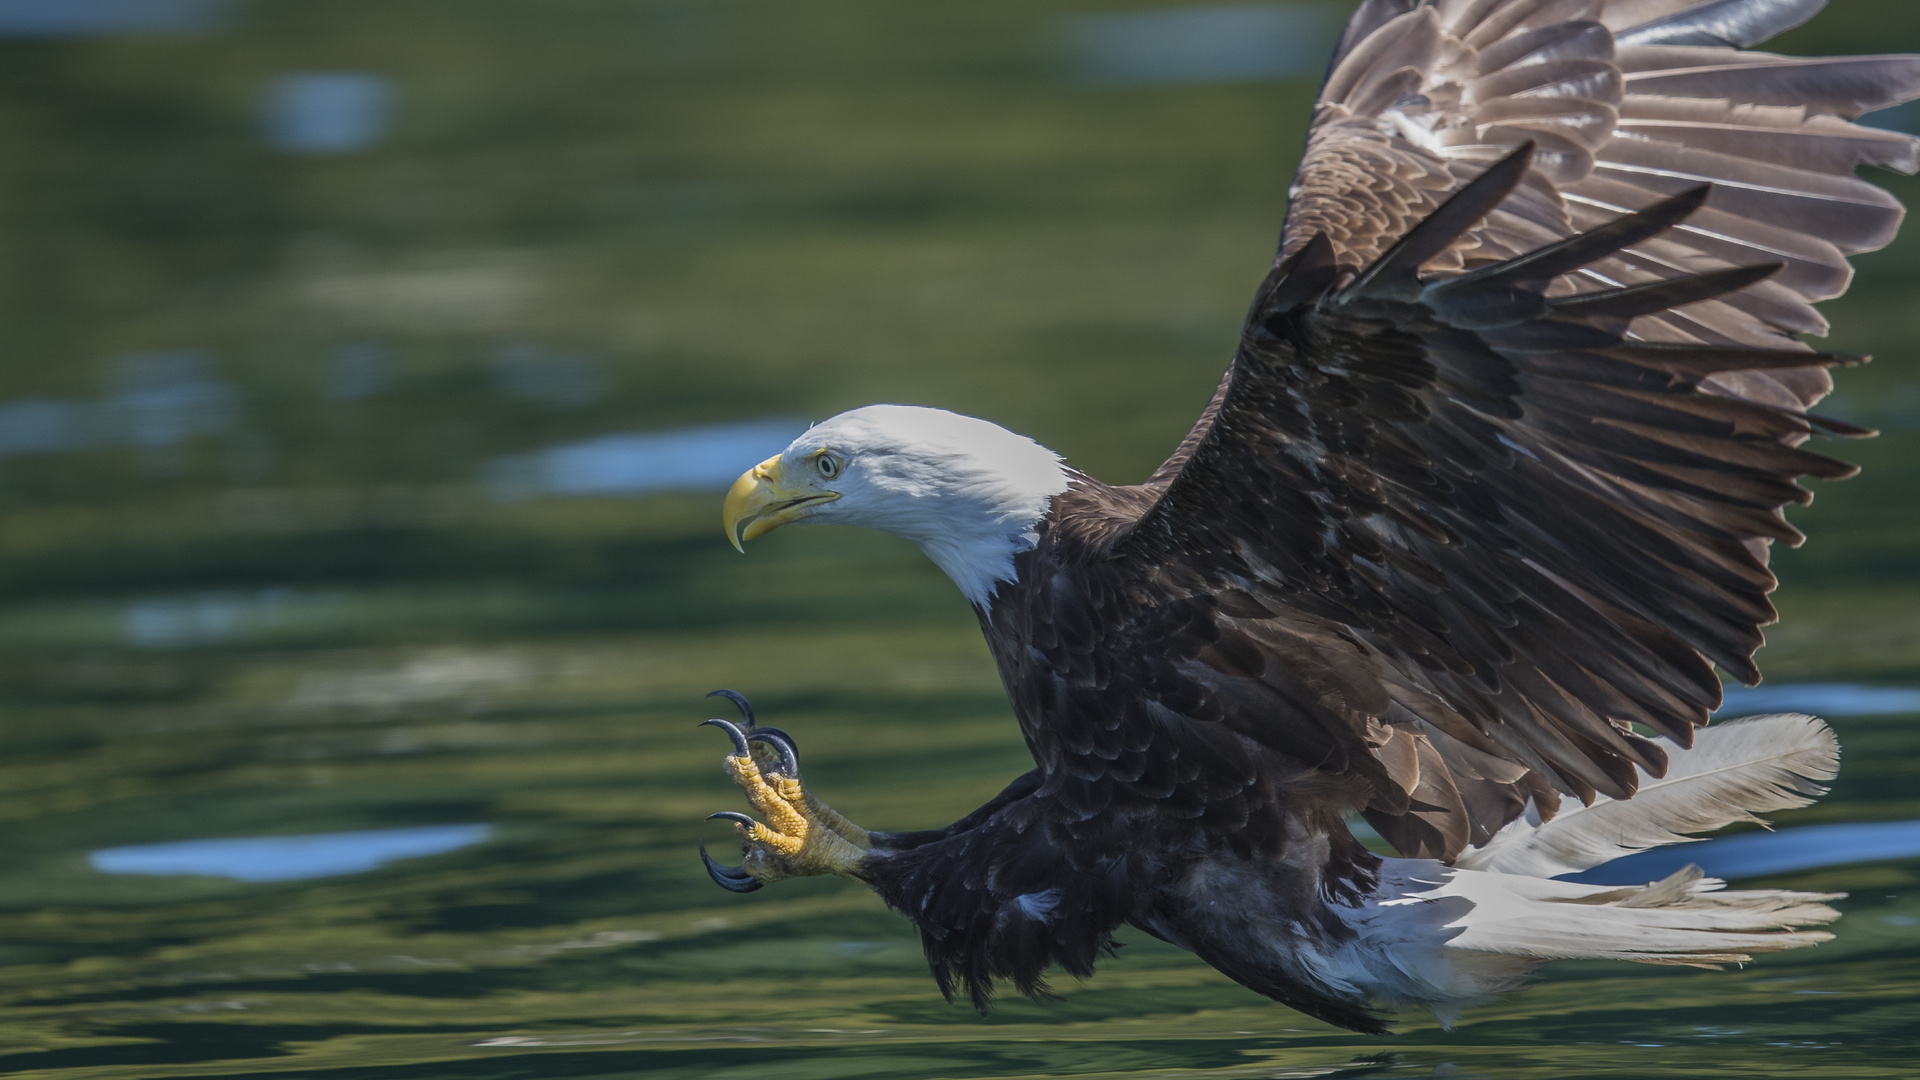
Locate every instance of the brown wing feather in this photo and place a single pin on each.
(1512, 530)
(1537, 540)
(1628, 100)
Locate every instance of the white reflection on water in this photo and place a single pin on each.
(288, 858)
(1821, 699)
(1758, 854)
(1207, 44)
(692, 459)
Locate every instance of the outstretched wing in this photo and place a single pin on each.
(1627, 101)
(1521, 478)
(1524, 530)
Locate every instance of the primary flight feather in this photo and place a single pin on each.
(1484, 499)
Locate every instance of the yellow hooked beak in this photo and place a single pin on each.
(761, 501)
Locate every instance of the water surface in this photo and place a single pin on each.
(286, 858)
(368, 373)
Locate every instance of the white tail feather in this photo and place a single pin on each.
(1734, 772)
(1451, 936)
(1685, 919)
(1448, 938)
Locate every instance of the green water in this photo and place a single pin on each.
(303, 612)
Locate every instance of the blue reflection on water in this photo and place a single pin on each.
(1761, 853)
(328, 112)
(1208, 44)
(158, 400)
(164, 398)
(213, 618)
(1894, 118)
(79, 18)
(1821, 699)
(288, 858)
(693, 459)
(42, 426)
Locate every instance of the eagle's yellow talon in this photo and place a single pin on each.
(800, 836)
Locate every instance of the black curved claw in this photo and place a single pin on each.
(740, 747)
(771, 730)
(733, 815)
(739, 699)
(730, 878)
(783, 742)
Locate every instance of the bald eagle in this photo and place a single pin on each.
(1483, 500)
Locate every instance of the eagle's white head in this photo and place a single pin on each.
(967, 491)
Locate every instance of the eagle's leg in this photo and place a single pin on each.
(801, 835)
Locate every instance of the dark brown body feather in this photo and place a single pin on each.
(1476, 508)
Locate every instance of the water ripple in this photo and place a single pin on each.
(288, 858)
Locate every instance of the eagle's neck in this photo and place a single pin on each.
(979, 557)
(1075, 516)
(981, 512)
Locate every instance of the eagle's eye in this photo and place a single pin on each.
(828, 465)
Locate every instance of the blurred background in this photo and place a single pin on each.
(369, 376)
